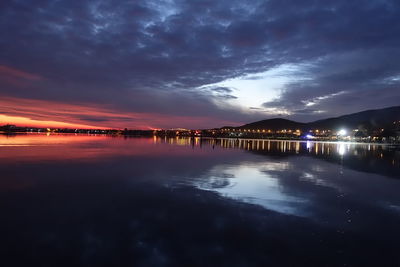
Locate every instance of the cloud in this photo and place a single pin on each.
(151, 57)
(222, 89)
(57, 114)
(11, 72)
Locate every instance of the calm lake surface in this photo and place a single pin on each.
(79, 200)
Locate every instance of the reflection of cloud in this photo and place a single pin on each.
(319, 181)
(301, 186)
(296, 184)
(251, 183)
(275, 166)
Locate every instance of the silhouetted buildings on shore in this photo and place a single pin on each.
(9, 128)
(389, 134)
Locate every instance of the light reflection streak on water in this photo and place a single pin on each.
(110, 144)
(297, 186)
(341, 149)
(260, 183)
(312, 147)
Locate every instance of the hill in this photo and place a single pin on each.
(369, 119)
(366, 119)
(274, 124)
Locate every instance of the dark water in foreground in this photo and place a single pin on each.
(70, 200)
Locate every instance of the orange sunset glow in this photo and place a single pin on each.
(23, 121)
(41, 113)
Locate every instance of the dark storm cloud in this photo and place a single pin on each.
(151, 56)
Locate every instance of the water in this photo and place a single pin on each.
(68, 200)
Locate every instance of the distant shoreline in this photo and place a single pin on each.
(206, 137)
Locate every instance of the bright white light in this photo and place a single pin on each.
(309, 136)
(341, 149)
(342, 132)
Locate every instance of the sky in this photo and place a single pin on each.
(195, 64)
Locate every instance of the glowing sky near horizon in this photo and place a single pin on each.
(251, 91)
(194, 64)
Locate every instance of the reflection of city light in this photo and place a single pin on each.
(309, 136)
(341, 149)
(309, 145)
(342, 132)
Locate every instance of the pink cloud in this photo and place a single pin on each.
(15, 73)
(30, 112)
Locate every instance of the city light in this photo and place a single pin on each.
(342, 132)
